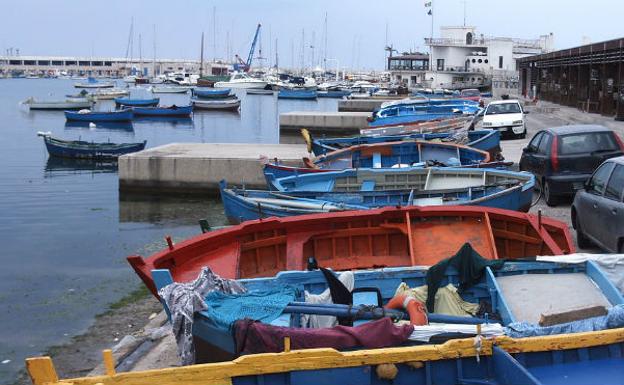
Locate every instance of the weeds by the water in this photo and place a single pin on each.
(134, 296)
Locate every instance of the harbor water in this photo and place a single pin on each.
(64, 230)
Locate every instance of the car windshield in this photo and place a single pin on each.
(504, 108)
(471, 93)
(587, 142)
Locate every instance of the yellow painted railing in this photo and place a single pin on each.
(42, 371)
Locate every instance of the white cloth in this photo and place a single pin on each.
(325, 321)
(612, 265)
(425, 332)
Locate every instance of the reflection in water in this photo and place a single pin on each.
(171, 121)
(114, 126)
(63, 166)
(170, 210)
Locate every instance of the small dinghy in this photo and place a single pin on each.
(387, 237)
(230, 104)
(94, 83)
(296, 93)
(179, 111)
(387, 155)
(78, 149)
(109, 94)
(90, 116)
(67, 104)
(364, 189)
(486, 140)
(127, 102)
(211, 93)
(169, 90)
(255, 91)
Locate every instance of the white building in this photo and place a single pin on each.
(463, 58)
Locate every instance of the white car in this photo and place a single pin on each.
(506, 116)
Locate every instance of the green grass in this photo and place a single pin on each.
(132, 297)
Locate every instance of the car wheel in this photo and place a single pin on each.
(523, 135)
(581, 239)
(551, 200)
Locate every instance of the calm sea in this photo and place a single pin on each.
(64, 234)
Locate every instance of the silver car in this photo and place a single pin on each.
(598, 210)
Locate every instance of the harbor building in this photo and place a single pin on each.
(589, 77)
(464, 58)
(15, 65)
(409, 68)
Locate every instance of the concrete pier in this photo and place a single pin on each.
(337, 123)
(360, 105)
(198, 167)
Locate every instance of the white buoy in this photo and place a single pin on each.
(92, 125)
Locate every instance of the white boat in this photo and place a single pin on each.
(231, 103)
(93, 83)
(67, 104)
(241, 80)
(129, 79)
(169, 89)
(182, 78)
(109, 94)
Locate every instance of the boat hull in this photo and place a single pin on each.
(386, 237)
(170, 90)
(85, 150)
(183, 111)
(60, 106)
(115, 116)
(517, 194)
(212, 93)
(297, 94)
(125, 102)
(259, 84)
(232, 104)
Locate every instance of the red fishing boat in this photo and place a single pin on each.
(388, 237)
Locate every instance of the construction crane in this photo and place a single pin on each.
(245, 66)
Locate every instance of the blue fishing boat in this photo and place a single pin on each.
(365, 189)
(90, 116)
(79, 149)
(296, 93)
(463, 296)
(127, 102)
(176, 111)
(387, 155)
(418, 110)
(211, 92)
(486, 140)
(339, 94)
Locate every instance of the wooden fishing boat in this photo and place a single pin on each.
(386, 237)
(401, 112)
(183, 111)
(449, 124)
(293, 93)
(109, 94)
(486, 140)
(210, 93)
(386, 155)
(364, 189)
(581, 358)
(128, 102)
(576, 286)
(230, 104)
(79, 149)
(91, 116)
(93, 83)
(66, 104)
(256, 91)
(169, 90)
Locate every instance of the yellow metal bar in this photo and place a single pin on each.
(314, 359)
(109, 362)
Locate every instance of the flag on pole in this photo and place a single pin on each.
(429, 13)
(427, 4)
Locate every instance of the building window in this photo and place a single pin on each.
(440, 64)
(469, 38)
(474, 60)
(480, 61)
(500, 62)
(486, 61)
(413, 79)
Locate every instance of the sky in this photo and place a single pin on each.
(356, 29)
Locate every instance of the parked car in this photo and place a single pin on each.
(506, 116)
(471, 94)
(563, 158)
(598, 212)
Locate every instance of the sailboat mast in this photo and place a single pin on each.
(325, 46)
(214, 33)
(201, 57)
(154, 58)
(140, 58)
(276, 57)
